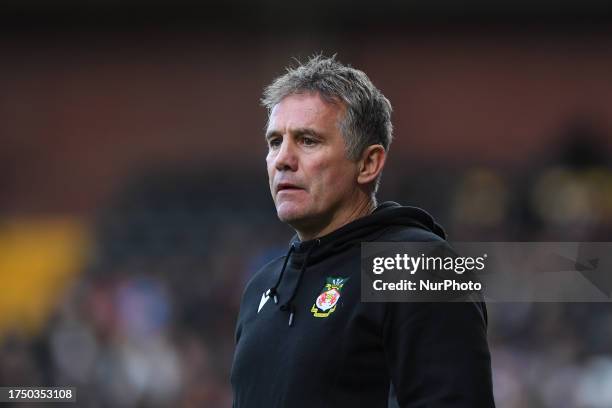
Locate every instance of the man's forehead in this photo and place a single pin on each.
(300, 110)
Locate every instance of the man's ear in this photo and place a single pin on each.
(371, 163)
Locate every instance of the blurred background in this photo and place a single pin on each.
(133, 193)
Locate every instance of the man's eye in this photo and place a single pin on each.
(309, 142)
(274, 142)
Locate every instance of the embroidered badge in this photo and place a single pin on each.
(326, 302)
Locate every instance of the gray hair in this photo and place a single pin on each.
(368, 113)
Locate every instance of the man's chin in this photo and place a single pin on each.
(288, 217)
(290, 214)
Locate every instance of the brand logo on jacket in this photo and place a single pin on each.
(263, 301)
(326, 302)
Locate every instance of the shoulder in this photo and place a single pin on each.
(264, 278)
(402, 233)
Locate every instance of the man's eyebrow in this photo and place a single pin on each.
(295, 132)
(272, 133)
(306, 131)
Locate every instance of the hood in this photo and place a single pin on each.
(387, 214)
(305, 253)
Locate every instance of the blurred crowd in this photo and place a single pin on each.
(149, 321)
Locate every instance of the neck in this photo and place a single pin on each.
(363, 206)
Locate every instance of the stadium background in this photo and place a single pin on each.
(133, 195)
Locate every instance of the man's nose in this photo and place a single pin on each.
(286, 158)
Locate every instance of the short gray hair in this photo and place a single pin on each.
(368, 113)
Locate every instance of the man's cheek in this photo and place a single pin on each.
(335, 183)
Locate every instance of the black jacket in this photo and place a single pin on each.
(319, 346)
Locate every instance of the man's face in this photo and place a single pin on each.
(311, 178)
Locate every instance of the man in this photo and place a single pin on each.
(303, 337)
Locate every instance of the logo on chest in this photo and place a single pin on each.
(326, 302)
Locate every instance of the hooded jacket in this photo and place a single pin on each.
(304, 338)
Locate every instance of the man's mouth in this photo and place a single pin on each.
(287, 187)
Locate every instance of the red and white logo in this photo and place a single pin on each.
(328, 299)
(326, 302)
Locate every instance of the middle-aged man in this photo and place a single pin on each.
(303, 337)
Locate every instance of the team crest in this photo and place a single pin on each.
(326, 302)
